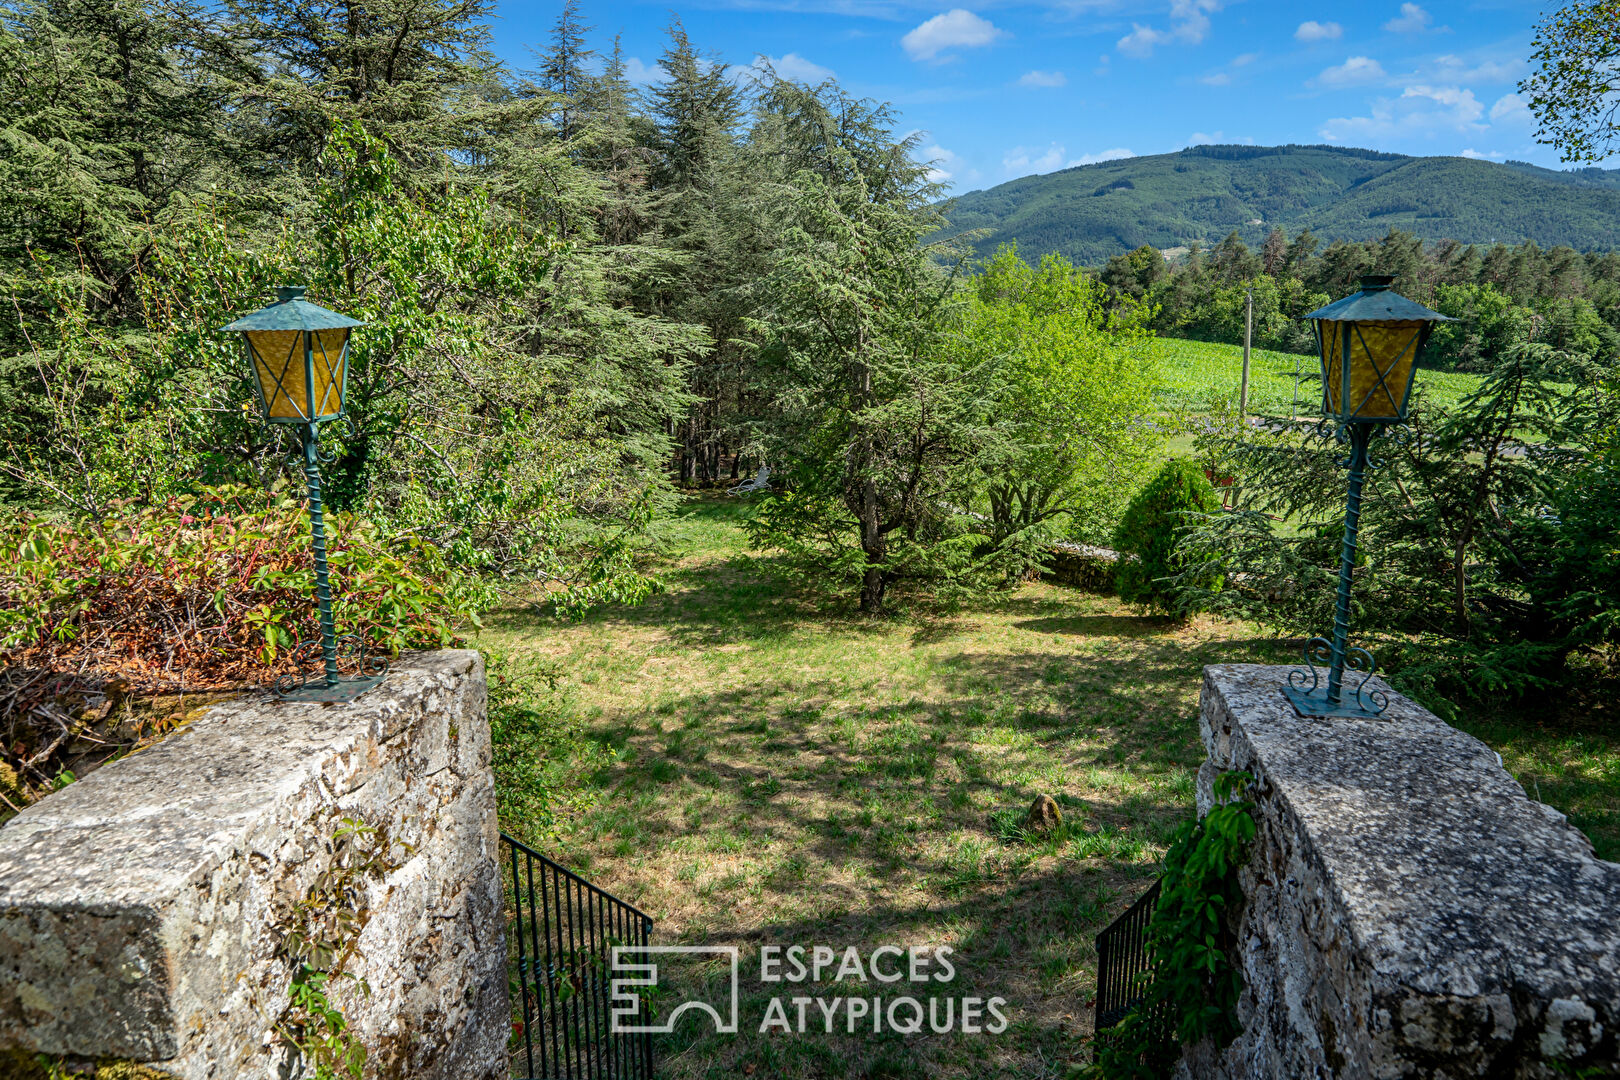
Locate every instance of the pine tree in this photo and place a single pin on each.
(417, 73)
(108, 110)
(871, 414)
(563, 68)
(1274, 252)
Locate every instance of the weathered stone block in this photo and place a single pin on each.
(144, 909)
(1408, 912)
(1084, 566)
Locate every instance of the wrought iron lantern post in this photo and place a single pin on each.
(299, 354)
(1369, 346)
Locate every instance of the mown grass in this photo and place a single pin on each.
(784, 775)
(1192, 372)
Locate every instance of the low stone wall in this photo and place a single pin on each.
(145, 909)
(1408, 912)
(1084, 566)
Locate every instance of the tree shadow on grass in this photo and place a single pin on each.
(820, 801)
(745, 598)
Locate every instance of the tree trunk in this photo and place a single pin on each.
(874, 542)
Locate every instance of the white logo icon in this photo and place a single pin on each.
(626, 1003)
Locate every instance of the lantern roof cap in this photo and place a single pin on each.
(292, 312)
(1377, 302)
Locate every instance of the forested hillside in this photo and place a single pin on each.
(1203, 193)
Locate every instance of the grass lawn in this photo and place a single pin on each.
(1191, 372)
(786, 776)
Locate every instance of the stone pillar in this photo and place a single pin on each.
(1408, 911)
(144, 909)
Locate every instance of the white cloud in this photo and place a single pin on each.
(1047, 79)
(1118, 153)
(1199, 138)
(1140, 41)
(1245, 59)
(942, 163)
(956, 28)
(1023, 160)
(793, 68)
(1354, 71)
(641, 74)
(1462, 103)
(1420, 112)
(1412, 20)
(1219, 78)
(1311, 30)
(1494, 155)
(1455, 69)
(1189, 23)
(1510, 109)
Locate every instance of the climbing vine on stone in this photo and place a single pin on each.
(322, 939)
(1195, 986)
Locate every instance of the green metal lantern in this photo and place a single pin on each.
(299, 353)
(300, 357)
(1369, 344)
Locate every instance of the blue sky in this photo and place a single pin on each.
(1003, 90)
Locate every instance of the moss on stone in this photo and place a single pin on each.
(22, 1065)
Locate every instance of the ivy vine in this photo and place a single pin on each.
(321, 941)
(1194, 989)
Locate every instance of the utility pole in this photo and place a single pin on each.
(1248, 331)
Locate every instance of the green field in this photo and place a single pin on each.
(1194, 374)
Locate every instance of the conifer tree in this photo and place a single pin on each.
(563, 68)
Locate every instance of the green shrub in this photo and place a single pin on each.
(542, 756)
(1156, 518)
(203, 593)
(1193, 991)
(211, 590)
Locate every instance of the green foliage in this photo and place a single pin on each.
(22, 1065)
(1575, 89)
(1488, 534)
(1076, 383)
(205, 589)
(1201, 194)
(324, 932)
(317, 1032)
(1207, 309)
(325, 925)
(876, 420)
(541, 755)
(1194, 989)
(1147, 534)
(1488, 324)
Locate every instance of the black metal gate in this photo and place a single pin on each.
(560, 938)
(1122, 960)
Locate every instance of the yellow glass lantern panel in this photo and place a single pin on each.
(278, 364)
(1381, 355)
(330, 348)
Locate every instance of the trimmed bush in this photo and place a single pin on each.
(1156, 518)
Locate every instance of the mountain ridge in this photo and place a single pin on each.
(1202, 193)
